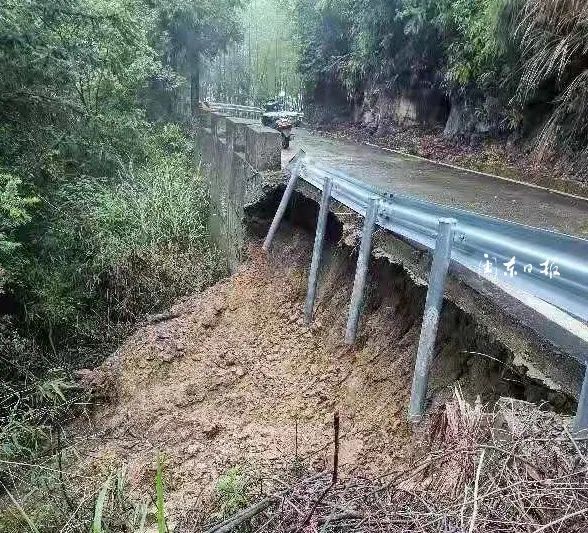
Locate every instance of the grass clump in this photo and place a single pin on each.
(233, 493)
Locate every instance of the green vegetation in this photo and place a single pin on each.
(103, 207)
(530, 55)
(232, 493)
(159, 491)
(263, 64)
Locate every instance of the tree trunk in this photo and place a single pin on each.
(195, 85)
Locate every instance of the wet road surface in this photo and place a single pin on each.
(480, 193)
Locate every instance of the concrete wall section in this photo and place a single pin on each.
(236, 131)
(263, 148)
(239, 157)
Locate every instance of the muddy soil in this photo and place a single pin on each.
(234, 378)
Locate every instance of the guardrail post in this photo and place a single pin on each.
(319, 239)
(267, 244)
(441, 260)
(581, 419)
(214, 120)
(361, 270)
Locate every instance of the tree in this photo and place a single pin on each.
(194, 29)
(77, 77)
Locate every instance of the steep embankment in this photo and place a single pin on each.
(233, 377)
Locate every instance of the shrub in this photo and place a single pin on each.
(554, 40)
(117, 250)
(232, 492)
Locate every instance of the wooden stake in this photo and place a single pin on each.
(336, 451)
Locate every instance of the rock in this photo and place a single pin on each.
(211, 430)
(368, 118)
(461, 120)
(476, 119)
(195, 392)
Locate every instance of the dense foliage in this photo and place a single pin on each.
(530, 54)
(78, 79)
(102, 208)
(263, 64)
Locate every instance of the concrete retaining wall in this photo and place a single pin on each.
(240, 158)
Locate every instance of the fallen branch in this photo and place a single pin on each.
(561, 520)
(243, 516)
(476, 487)
(254, 510)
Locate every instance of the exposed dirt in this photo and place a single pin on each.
(225, 382)
(232, 373)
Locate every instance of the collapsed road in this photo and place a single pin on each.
(538, 312)
(438, 191)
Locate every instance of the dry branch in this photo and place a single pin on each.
(513, 469)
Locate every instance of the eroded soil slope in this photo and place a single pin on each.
(230, 377)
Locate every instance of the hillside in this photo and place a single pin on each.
(231, 381)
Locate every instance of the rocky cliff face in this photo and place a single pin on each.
(487, 117)
(423, 106)
(431, 107)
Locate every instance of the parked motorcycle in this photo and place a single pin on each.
(284, 126)
(283, 121)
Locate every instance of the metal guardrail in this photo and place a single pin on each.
(243, 111)
(483, 244)
(546, 271)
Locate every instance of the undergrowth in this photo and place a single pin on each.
(113, 251)
(233, 492)
(49, 501)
